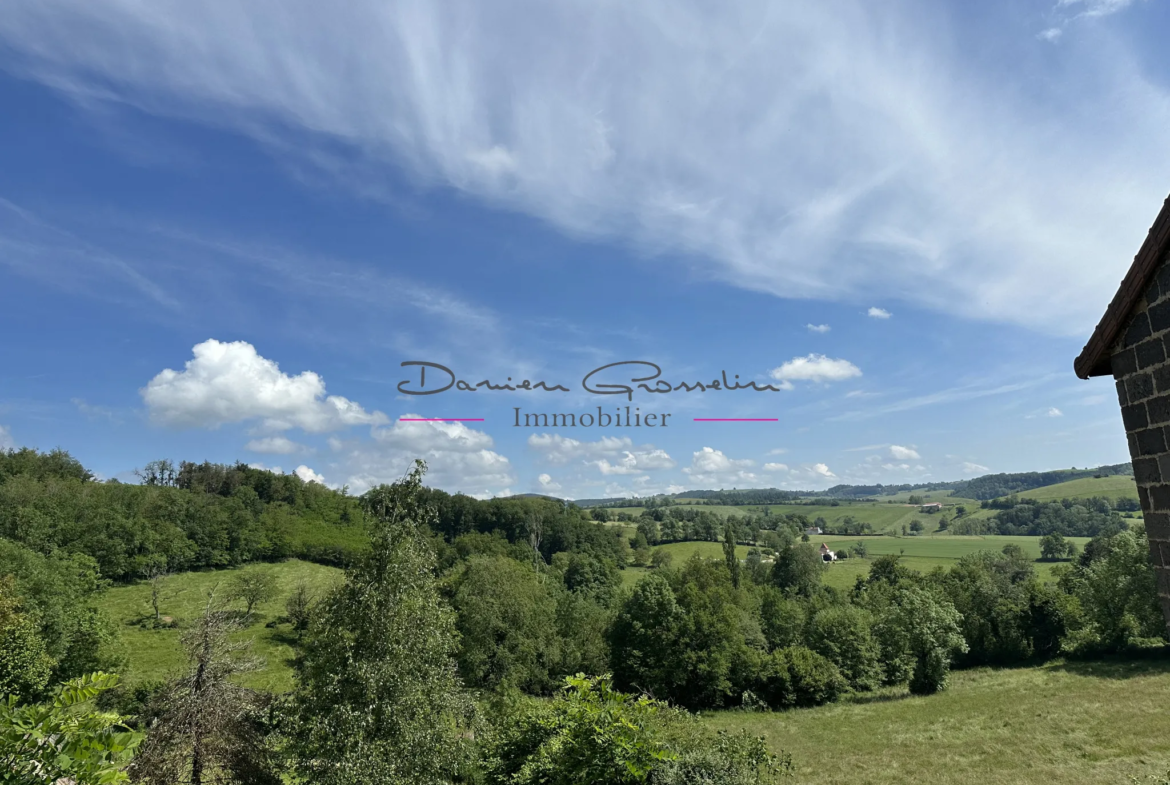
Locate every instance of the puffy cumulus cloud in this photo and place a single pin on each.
(974, 468)
(878, 313)
(711, 467)
(308, 475)
(276, 445)
(904, 453)
(557, 449)
(821, 470)
(819, 328)
(230, 383)
(459, 458)
(816, 368)
(775, 467)
(548, 484)
(637, 462)
(6, 440)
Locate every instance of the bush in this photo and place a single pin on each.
(841, 634)
(591, 733)
(796, 676)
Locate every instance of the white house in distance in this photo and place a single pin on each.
(826, 554)
(932, 507)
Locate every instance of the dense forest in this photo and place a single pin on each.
(476, 641)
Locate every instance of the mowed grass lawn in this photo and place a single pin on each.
(157, 653)
(1056, 724)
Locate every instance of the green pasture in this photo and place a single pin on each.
(922, 553)
(1117, 486)
(157, 654)
(1092, 723)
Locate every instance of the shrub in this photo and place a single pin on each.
(796, 676)
(841, 634)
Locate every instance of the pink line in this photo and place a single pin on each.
(440, 419)
(737, 419)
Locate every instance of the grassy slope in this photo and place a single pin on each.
(1112, 487)
(156, 653)
(1068, 723)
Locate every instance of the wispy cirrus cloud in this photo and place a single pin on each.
(895, 164)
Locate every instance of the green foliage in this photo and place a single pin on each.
(591, 733)
(1053, 547)
(1117, 596)
(505, 617)
(798, 569)
(252, 588)
(378, 697)
(59, 593)
(65, 739)
(782, 619)
(926, 628)
(661, 558)
(797, 676)
(25, 666)
(644, 639)
(841, 634)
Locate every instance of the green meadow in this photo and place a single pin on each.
(157, 653)
(1114, 487)
(1062, 723)
(922, 553)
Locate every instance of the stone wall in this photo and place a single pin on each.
(1142, 370)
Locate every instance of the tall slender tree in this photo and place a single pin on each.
(378, 697)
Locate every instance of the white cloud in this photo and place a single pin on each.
(903, 453)
(711, 467)
(1050, 34)
(276, 445)
(547, 484)
(6, 440)
(775, 467)
(308, 475)
(459, 458)
(95, 412)
(637, 462)
(819, 328)
(776, 451)
(973, 468)
(557, 449)
(878, 313)
(1053, 412)
(896, 163)
(1095, 8)
(230, 383)
(822, 470)
(814, 368)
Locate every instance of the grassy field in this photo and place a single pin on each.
(881, 515)
(1117, 486)
(918, 553)
(156, 653)
(1066, 723)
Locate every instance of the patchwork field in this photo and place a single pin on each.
(1070, 723)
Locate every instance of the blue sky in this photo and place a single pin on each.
(223, 228)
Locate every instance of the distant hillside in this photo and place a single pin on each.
(1118, 486)
(989, 486)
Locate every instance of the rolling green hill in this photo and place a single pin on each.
(1117, 486)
